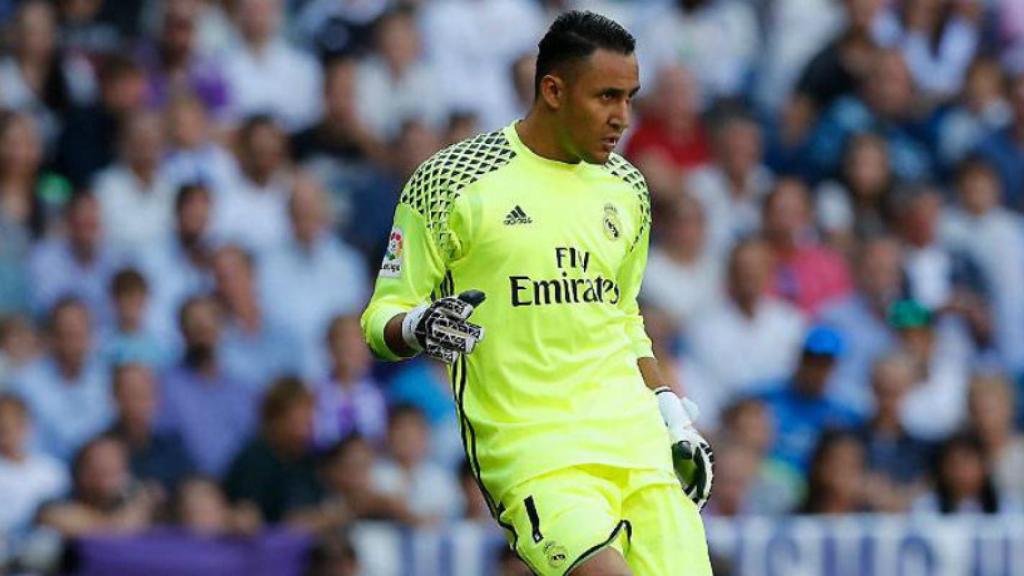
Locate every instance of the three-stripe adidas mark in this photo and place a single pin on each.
(517, 216)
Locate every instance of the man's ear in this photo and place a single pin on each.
(552, 91)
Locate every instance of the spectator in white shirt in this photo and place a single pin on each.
(180, 266)
(716, 39)
(396, 84)
(27, 478)
(265, 74)
(313, 276)
(254, 350)
(732, 188)
(431, 493)
(993, 237)
(939, 41)
(67, 391)
(79, 264)
(137, 201)
(253, 214)
(683, 277)
(981, 109)
(475, 42)
(194, 156)
(765, 332)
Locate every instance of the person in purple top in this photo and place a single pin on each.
(212, 412)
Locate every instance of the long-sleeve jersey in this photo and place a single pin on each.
(559, 250)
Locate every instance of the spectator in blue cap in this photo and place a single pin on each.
(801, 409)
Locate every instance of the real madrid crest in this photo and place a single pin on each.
(612, 225)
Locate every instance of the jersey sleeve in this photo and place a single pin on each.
(632, 272)
(420, 245)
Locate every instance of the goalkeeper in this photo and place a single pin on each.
(516, 257)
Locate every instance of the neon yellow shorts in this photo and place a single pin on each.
(557, 521)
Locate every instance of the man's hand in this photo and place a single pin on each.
(441, 330)
(691, 454)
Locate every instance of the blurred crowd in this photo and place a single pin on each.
(195, 196)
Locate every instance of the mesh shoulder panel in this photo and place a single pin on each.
(436, 184)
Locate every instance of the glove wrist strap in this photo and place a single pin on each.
(409, 323)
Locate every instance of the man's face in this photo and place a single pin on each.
(71, 335)
(594, 106)
(13, 427)
(136, 394)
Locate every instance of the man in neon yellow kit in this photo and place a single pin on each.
(567, 422)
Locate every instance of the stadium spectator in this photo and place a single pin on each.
(991, 236)
(276, 470)
(347, 475)
(201, 508)
(136, 197)
(395, 84)
(939, 40)
(349, 399)
(981, 110)
(174, 63)
(683, 278)
(897, 462)
(213, 413)
(430, 492)
(427, 386)
(807, 274)
(88, 139)
(735, 473)
(27, 478)
(836, 479)
(749, 324)
(79, 264)
(83, 33)
(935, 405)
(670, 137)
(333, 28)
(194, 156)
(105, 498)
(991, 406)
(131, 337)
(265, 73)
(963, 482)
(253, 213)
(341, 135)
(474, 44)
(180, 265)
(716, 39)
(884, 104)
(734, 185)
(801, 408)
(857, 204)
(301, 277)
(19, 347)
(67, 390)
(775, 487)
(37, 77)
(1004, 148)
(154, 455)
(255, 351)
(861, 318)
(30, 199)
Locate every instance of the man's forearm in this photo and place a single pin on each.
(651, 372)
(393, 337)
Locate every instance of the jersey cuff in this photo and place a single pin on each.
(373, 329)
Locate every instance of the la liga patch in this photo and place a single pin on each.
(391, 267)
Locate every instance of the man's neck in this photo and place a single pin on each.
(145, 173)
(71, 369)
(540, 135)
(15, 455)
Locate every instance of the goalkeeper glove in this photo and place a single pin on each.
(440, 329)
(692, 456)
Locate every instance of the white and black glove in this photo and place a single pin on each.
(691, 454)
(441, 330)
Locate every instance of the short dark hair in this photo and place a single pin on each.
(128, 280)
(576, 35)
(283, 394)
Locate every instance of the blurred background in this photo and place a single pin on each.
(195, 195)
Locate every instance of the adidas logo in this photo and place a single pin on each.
(517, 216)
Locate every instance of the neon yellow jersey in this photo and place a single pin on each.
(559, 249)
